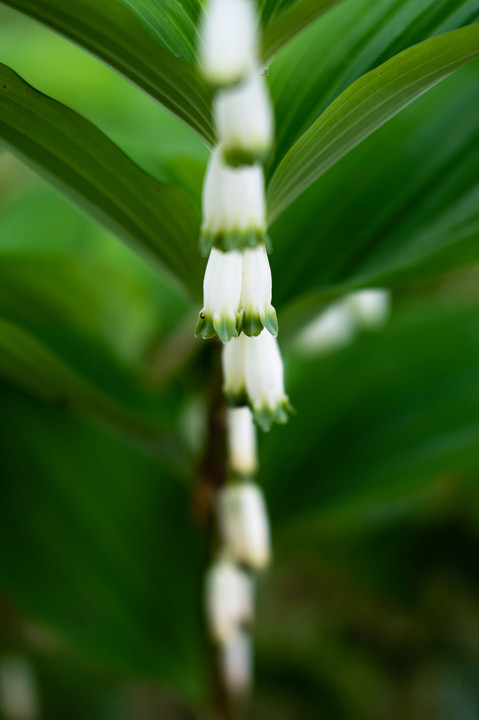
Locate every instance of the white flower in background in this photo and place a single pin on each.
(334, 328)
(256, 289)
(264, 380)
(244, 121)
(222, 293)
(241, 437)
(236, 664)
(244, 524)
(234, 366)
(229, 600)
(371, 307)
(18, 689)
(228, 41)
(234, 207)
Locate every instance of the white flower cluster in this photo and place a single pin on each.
(340, 322)
(238, 309)
(237, 290)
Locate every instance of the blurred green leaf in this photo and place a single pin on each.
(79, 317)
(365, 106)
(115, 34)
(291, 20)
(400, 207)
(86, 528)
(70, 370)
(354, 38)
(73, 154)
(380, 420)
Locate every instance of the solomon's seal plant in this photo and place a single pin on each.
(304, 164)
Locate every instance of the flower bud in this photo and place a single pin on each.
(229, 600)
(234, 366)
(264, 380)
(244, 121)
(222, 292)
(236, 664)
(371, 307)
(241, 436)
(244, 524)
(228, 41)
(256, 288)
(234, 207)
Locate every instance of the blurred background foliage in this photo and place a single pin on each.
(371, 608)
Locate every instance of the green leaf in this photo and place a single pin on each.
(365, 106)
(90, 548)
(70, 370)
(113, 32)
(172, 22)
(75, 156)
(79, 316)
(379, 421)
(291, 21)
(354, 38)
(400, 207)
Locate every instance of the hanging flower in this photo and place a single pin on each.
(236, 664)
(244, 121)
(241, 436)
(244, 524)
(222, 293)
(253, 375)
(256, 289)
(234, 371)
(229, 600)
(234, 208)
(264, 380)
(228, 41)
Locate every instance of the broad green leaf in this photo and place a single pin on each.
(380, 420)
(113, 32)
(354, 38)
(399, 208)
(90, 548)
(74, 155)
(172, 22)
(289, 22)
(137, 123)
(366, 105)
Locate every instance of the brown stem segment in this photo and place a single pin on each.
(212, 468)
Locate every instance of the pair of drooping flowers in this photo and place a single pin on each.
(238, 309)
(238, 284)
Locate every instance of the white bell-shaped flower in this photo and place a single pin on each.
(244, 525)
(234, 207)
(244, 121)
(228, 41)
(265, 381)
(234, 371)
(371, 307)
(236, 664)
(241, 438)
(256, 289)
(229, 600)
(222, 295)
